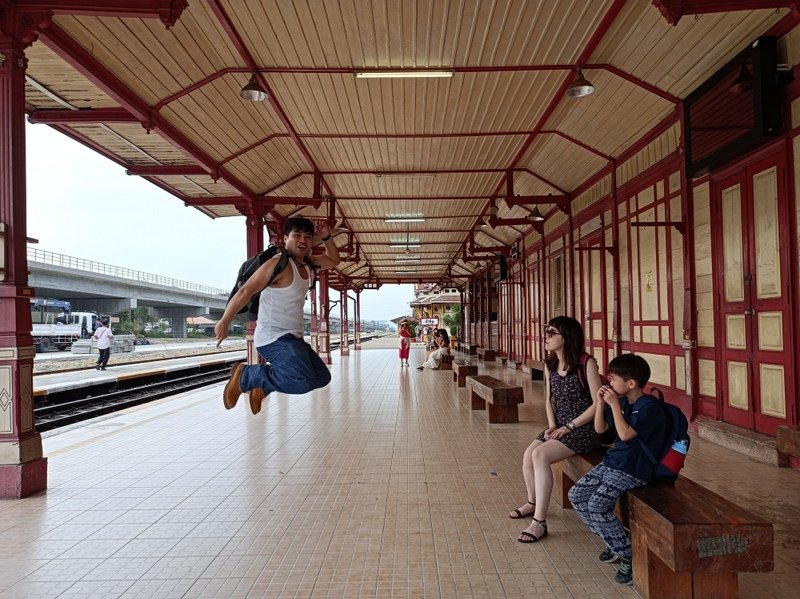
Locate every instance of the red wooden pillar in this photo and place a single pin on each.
(324, 338)
(255, 244)
(462, 330)
(357, 322)
(344, 326)
(314, 325)
(23, 470)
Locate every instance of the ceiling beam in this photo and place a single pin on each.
(65, 116)
(673, 10)
(167, 170)
(167, 10)
(89, 66)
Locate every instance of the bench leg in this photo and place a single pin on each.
(478, 403)
(562, 483)
(503, 414)
(462, 380)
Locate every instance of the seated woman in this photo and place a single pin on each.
(435, 357)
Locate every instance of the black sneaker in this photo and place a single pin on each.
(608, 556)
(625, 572)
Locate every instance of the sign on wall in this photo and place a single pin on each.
(429, 322)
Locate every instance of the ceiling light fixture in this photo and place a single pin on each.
(403, 246)
(580, 86)
(406, 271)
(535, 216)
(253, 90)
(407, 258)
(405, 218)
(402, 74)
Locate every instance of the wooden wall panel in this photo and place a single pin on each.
(704, 282)
(658, 149)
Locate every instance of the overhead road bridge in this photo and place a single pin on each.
(98, 287)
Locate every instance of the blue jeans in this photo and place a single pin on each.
(294, 368)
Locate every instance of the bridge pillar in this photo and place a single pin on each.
(23, 469)
(178, 316)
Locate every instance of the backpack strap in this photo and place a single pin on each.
(279, 267)
(583, 379)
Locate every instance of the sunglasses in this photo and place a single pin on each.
(550, 331)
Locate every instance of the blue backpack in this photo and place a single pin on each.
(669, 461)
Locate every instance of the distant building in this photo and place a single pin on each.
(433, 301)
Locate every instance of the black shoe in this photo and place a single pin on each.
(103, 368)
(625, 572)
(609, 556)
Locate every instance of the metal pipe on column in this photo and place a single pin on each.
(344, 333)
(357, 323)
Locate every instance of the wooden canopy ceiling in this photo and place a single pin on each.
(154, 85)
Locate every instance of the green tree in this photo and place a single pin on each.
(453, 319)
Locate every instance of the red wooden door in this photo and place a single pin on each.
(754, 318)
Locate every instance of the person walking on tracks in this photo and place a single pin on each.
(293, 366)
(104, 338)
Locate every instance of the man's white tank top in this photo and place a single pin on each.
(280, 310)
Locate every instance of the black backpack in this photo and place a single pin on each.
(676, 433)
(251, 265)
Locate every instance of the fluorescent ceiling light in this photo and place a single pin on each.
(401, 74)
(405, 218)
(403, 246)
(406, 271)
(402, 175)
(407, 258)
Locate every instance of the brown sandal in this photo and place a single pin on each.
(529, 537)
(520, 514)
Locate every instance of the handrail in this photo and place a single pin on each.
(47, 257)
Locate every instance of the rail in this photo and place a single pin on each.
(52, 258)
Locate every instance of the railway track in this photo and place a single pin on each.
(63, 408)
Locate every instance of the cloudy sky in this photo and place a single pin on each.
(84, 205)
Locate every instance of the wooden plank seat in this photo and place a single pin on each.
(688, 542)
(461, 370)
(486, 354)
(446, 362)
(502, 397)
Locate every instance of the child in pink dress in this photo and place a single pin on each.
(405, 343)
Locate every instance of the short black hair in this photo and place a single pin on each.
(298, 223)
(630, 366)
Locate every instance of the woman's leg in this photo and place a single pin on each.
(528, 475)
(542, 458)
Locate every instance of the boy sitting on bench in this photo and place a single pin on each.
(625, 465)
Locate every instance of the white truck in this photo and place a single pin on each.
(55, 325)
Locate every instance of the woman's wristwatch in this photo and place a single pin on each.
(327, 237)
(570, 425)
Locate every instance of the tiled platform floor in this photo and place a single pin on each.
(384, 484)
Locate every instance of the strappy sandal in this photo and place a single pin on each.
(529, 537)
(520, 514)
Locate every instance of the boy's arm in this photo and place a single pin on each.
(257, 282)
(624, 430)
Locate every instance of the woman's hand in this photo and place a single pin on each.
(560, 432)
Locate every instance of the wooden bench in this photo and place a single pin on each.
(486, 354)
(446, 362)
(461, 370)
(503, 398)
(688, 542)
(472, 349)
